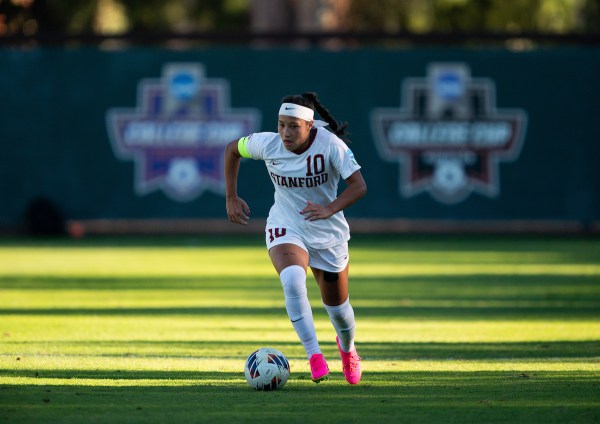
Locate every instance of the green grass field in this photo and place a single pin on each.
(451, 329)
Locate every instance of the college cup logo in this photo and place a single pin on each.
(178, 132)
(448, 136)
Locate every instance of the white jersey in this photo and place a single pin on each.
(310, 176)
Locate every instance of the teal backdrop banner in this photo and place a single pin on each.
(441, 134)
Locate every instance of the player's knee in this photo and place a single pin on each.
(293, 280)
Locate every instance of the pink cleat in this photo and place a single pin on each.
(350, 364)
(318, 368)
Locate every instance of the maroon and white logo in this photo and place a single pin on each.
(177, 132)
(448, 136)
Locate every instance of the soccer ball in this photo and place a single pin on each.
(267, 369)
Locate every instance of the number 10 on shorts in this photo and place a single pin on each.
(275, 233)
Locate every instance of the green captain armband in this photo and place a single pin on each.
(242, 148)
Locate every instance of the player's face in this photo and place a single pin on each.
(294, 132)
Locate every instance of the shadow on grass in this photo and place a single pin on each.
(82, 283)
(379, 351)
(413, 285)
(381, 397)
(460, 312)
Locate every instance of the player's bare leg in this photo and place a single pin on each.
(333, 286)
(287, 254)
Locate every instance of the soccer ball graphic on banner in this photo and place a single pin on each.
(267, 369)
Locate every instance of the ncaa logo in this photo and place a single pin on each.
(177, 133)
(448, 136)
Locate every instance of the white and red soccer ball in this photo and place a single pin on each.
(267, 369)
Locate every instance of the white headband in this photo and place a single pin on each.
(297, 111)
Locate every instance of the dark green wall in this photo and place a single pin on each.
(54, 140)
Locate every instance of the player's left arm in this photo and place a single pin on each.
(356, 188)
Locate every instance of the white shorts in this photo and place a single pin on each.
(332, 259)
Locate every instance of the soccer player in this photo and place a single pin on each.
(306, 226)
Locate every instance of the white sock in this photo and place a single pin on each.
(293, 280)
(342, 318)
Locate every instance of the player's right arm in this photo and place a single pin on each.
(238, 211)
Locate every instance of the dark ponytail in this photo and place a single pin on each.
(311, 100)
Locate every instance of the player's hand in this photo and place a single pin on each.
(238, 211)
(314, 211)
